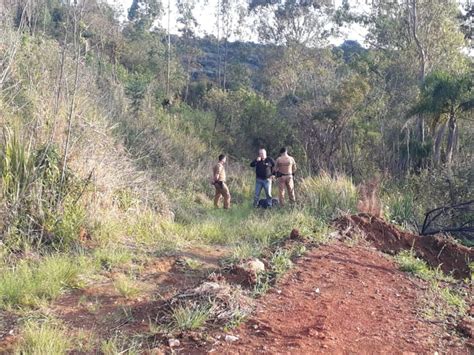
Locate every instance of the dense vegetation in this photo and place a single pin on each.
(109, 130)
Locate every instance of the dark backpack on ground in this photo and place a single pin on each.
(268, 203)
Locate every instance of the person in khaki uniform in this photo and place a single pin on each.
(284, 170)
(218, 180)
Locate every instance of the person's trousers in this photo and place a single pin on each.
(266, 185)
(222, 190)
(286, 183)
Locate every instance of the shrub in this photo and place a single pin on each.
(327, 196)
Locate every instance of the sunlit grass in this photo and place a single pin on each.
(30, 283)
(43, 339)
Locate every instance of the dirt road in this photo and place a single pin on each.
(342, 299)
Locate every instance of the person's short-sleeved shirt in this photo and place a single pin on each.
(286, 165)
(219, 171)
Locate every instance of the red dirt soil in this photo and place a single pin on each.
(438, 251)
(341, 299)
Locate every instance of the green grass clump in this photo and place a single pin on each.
(190, 317)
(43, 339)
(400, 208)
(30, 283)
(281, 262)
(126, 287)
(120, 344)
(327, 197)
(112, 256)
(408, 262)
(441, 300)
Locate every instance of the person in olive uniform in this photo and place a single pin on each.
(218, 180)
(284, 170)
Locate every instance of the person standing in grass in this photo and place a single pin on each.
(284, 171)
(264, 170)
(218, 180)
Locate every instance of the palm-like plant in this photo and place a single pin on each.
(443, 98)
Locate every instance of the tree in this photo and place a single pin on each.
(444, 98)
(189, 25)
(143, 13)
(289, 22)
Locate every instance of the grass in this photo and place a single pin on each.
(400, 208)
(43, 339)
(281, 262)
(112, 256)
(134, 232)
(408, 262)
(262, 285)
(441, 300)
(192, 264)
(120, 344)
(190, 317)
(328, 197)
(32, 283)
(126, 287)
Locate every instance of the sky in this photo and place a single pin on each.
(206, 16)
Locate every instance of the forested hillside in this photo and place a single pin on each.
(110, 127)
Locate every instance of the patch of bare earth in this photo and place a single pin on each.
(100, 311)
(341, 299)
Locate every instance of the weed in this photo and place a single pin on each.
(355, 239)
(281, 262)
(244, 251)
(43, 339)
(297, 251)
(262, 285)
(112, 256)
(91, 305)
(192, 264)
(29, 283)
(190, 317)
(454, 299)
(237, 319)
(126, 287)
(400, 208)
(408, 262)
(440, 301)
(328, 196)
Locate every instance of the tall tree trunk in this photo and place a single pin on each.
(422, 73)
(168, 67)
(224, 78)
(437, 145)
(77, 47)
(452, 133)
(219, 43)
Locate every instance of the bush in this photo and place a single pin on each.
(400, 208)
(41, 205)
(328, 197)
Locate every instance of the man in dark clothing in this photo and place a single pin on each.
(264, 170)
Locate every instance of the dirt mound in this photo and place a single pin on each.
(438, 251)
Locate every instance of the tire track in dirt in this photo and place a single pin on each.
(341, 299)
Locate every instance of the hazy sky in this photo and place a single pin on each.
(206, 16)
